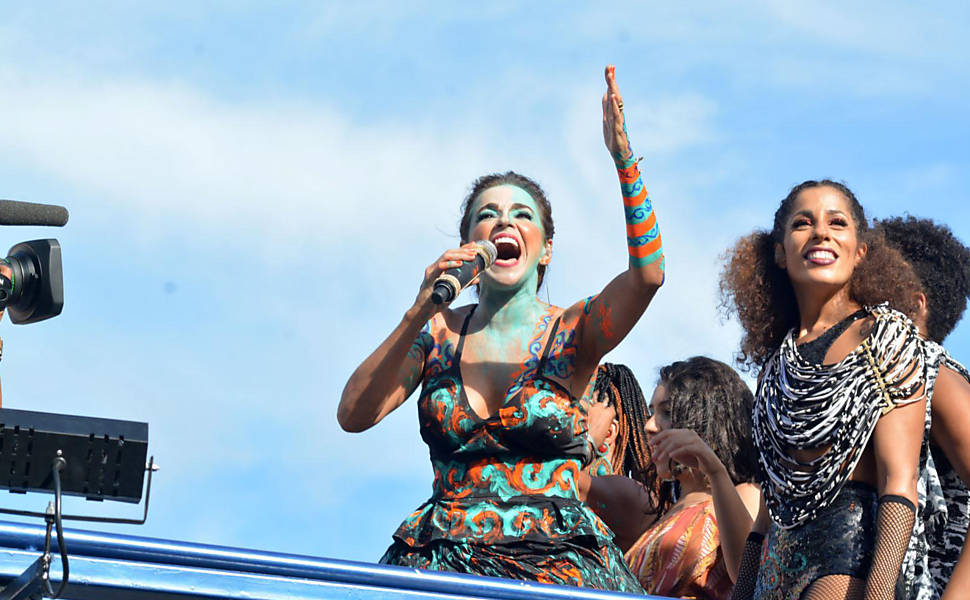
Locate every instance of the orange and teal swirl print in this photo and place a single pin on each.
(504, 499)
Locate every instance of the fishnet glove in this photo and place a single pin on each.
(748, 570)
(894, 526)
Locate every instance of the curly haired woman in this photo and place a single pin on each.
(685, 538)
(942, 263)
(841, 400)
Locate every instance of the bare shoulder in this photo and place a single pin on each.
(579, 309)
(952, 391)
(865, 327)
(750, 494)
(451, 320)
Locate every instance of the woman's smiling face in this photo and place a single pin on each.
(821, 243)
(509, 217)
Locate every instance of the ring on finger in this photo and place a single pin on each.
(620, 104)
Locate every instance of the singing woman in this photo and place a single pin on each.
(501, 386)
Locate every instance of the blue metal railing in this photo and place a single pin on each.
(125, 567)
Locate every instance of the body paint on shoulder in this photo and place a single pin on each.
(562, 353)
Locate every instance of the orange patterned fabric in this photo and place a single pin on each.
(680, 556)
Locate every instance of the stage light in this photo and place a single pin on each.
(99, 459)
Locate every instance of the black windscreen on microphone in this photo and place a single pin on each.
(448, 285)
(29, 213)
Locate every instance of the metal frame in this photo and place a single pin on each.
(99, 459)
(124, 567)
(150, 467)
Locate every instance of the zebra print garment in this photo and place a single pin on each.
(918, 580)
(946, 545)
(944, 551)
(833, 408)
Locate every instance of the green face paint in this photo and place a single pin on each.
(514, 203)
(509, 212)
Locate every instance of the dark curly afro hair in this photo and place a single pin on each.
(942, 263)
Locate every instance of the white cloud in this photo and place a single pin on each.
(327, 223)
(159, 153)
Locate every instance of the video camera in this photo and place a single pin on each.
(34, 289)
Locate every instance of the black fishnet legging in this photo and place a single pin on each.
(835, 587)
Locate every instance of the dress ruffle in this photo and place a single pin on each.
(493, 521)
(568, 562)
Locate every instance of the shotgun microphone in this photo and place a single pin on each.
(451, 282)
(13, 212)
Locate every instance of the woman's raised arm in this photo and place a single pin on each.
(610, 316)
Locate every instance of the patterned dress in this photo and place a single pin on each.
(680, 556)
(505, 500)
(944, 552)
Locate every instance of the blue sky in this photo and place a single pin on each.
(256, 188)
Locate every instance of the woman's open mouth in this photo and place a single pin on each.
(508, 250)
(820, 256)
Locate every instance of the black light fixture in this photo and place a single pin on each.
(98, 459)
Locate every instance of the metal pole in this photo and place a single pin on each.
(203, 556)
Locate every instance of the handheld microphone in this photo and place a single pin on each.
(451, 282)
(29, 213)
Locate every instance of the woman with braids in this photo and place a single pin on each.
(942, 263)
(502, 381)
(686, 544)
(841, 400)
(626, 489)
(617, 415)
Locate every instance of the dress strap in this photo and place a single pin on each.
(545, 351)
(461, 337)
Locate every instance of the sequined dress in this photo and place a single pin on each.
(504, 499)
